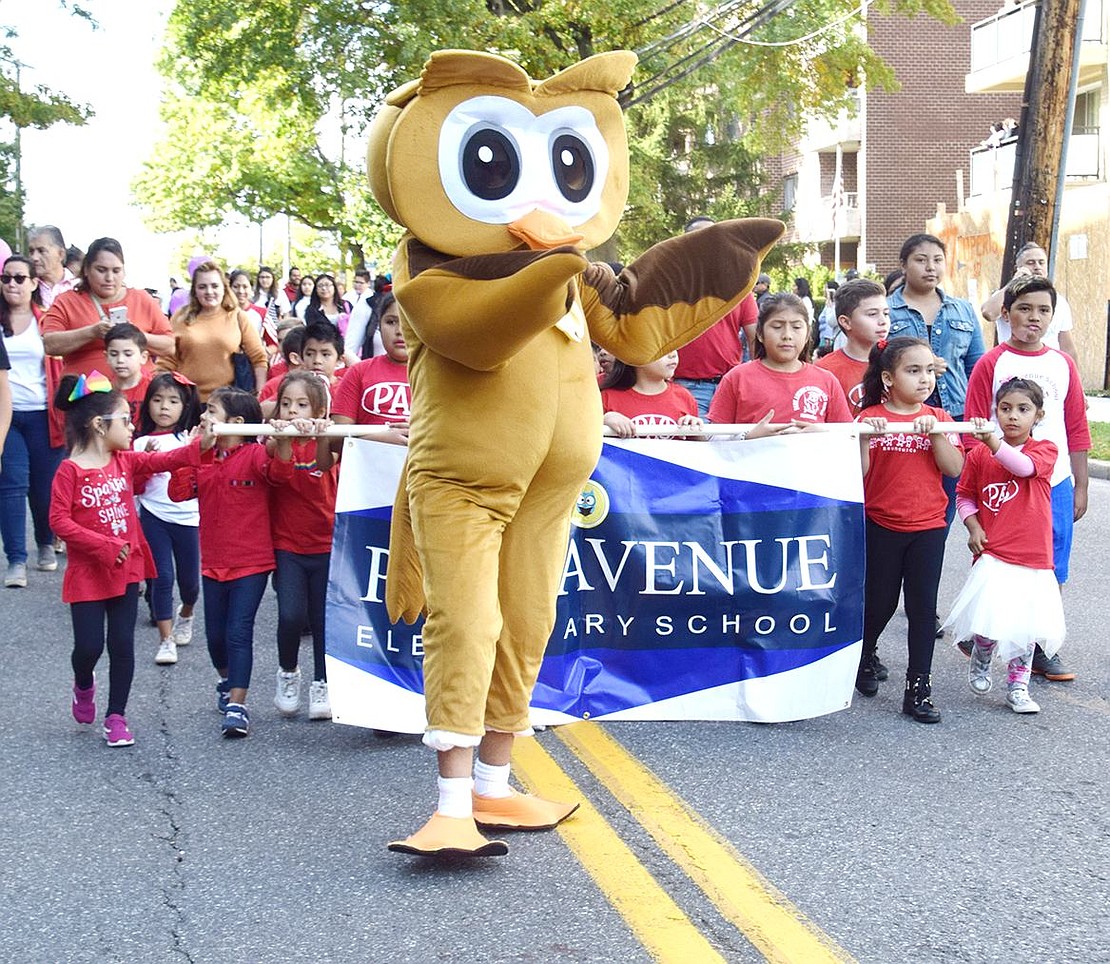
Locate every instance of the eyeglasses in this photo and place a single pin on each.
(7, 279)
(109, 418)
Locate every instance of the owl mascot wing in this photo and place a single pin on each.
(502, 183)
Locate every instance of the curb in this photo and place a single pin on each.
(1097, 469)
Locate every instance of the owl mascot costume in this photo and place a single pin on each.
(501, 184)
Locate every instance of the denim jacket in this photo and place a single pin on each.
(956, 337)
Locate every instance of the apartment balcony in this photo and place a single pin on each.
(992, 168)
(826, 220)
(1000, 49)
(823, 134)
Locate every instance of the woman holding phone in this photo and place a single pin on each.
(75, 325)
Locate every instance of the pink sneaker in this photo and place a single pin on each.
(84, 703)
(116, 732)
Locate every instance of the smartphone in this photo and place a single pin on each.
(118, 316)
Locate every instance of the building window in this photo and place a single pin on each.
(789, 192)
(1085, 119)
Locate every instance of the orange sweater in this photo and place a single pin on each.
(204, 348)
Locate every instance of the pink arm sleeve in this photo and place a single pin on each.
(965, 506)
(1015, 460)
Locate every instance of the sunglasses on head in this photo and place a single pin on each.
(7, 279)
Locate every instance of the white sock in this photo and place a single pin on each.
(454, 796)
(491, 781)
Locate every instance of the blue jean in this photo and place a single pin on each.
(229, 611)
(89, 619)
(27, 470)
(703, 390)
(301, 584)
(173, 546)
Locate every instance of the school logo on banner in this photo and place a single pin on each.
(719, 581)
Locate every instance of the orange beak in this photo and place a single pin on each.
(542, 231)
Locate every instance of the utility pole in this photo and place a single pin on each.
(1039, 164)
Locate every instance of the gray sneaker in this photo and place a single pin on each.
(16, 577)
(1020, 701)
(979, 671)
(48, 560)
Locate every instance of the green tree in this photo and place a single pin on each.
(253, 78)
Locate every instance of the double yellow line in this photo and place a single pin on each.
(744, 898)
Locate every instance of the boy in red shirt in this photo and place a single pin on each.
(376, 390)
(125, 349)
(863, 316)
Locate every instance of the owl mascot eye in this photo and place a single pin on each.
(501, 184)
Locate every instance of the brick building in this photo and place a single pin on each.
(898, 152)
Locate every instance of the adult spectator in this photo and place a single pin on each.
(304, 298)
(705, 361)
(292, 288)
(75, 257)
(208, 331)
(75, 325)
(1032, 260)
(802, 290)
(29, 460)
(267, 294)
(180, 296)
(241, 287)
(47, 249)
(325, 304)
(762, 287)
(827, 328)
(362, 290)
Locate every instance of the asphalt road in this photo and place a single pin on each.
(986, 838)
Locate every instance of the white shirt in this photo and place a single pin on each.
(28, 376)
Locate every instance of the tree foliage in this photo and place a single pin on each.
(252, 79)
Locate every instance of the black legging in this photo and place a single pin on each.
(301, 582)
(88, 643)
(909, 559)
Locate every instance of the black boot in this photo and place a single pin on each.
(867, 676)
(916, 701)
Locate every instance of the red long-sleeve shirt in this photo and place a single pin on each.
(93, 510)
(234, 496)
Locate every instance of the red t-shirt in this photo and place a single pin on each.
(666, 408)
(93, 510)
(374, 392)
(1015, 513)
(302, 510)
(717, 349)
(902, 489)
(234, 497)
(749, 391)
(849, 373)
(135, 397)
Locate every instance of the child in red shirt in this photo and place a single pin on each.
(92, 507)
(376, 390)
(779, 384)
(232, 485)
(634, 395)
(1011, 600)
(905, 503)
(863, 316)
(125, 349)
(302, 518)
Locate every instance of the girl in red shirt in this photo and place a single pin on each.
(92, 507)
(779, 390)
(232, 484)
(302, 519)
(904, 502)
(1011, 600)
(633, 395)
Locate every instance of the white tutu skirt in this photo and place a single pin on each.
(1013, 605)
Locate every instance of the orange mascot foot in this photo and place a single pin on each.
(519, 811)
(449, 837)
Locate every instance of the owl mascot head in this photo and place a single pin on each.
(501, 184)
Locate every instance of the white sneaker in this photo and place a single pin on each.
(182, 631)
(288, 695)
(167, 652)
(1020, 701)
(319, 706)
(979, 670)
